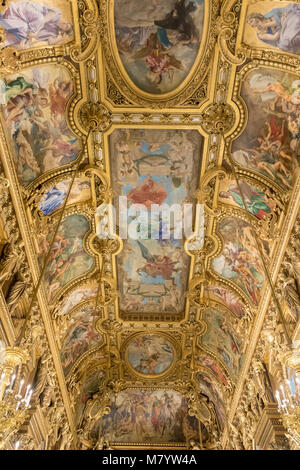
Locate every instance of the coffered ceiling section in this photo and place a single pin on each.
(116, 105)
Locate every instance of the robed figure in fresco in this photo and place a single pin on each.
(280, 27)
(148, 193)
(25, 22)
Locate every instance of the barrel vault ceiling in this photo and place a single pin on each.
(162, 101)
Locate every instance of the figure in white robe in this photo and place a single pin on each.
(27, 22)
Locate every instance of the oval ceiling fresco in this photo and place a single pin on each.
(159, 41)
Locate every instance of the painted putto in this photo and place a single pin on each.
(154, 167)
(158, 41)
(150, 354)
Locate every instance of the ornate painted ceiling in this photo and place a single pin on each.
(185, 102)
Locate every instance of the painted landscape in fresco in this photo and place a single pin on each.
(240, 261)
(158, 41)
(209, 388)
(150, 416)
(68, 258)
(257, 202)
(80, 336)
(34, 114)
(227, 298)
(270, 142)
(212, 365)
(36, 23)
(150, 354)
(154, 167)
(274, 24)
(221, 338)
(54, 197)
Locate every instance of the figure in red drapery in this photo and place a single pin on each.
(162, 266)
(148, 192)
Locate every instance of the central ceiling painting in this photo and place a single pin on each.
(154, 167)
(158, 41)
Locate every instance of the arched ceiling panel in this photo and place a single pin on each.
(240, 260)
(34, 115)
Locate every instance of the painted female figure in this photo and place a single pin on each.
(280, 27)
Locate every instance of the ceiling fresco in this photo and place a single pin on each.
(222, 338)
(240, 260)
(226, 297)
(34, 115)
(158, 42)
(141, 416)
(150, 354)
(269, 142)
(68, 258)
(36, 23)
(136, 106)
(275, 24)
(154, 167)
(80, 336)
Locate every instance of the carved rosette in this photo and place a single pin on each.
(9, 61)
(95, 117)
(218, 119)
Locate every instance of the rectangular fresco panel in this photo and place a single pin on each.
(154, 167)
(273, 24)
(149, 416)
(36, 23)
